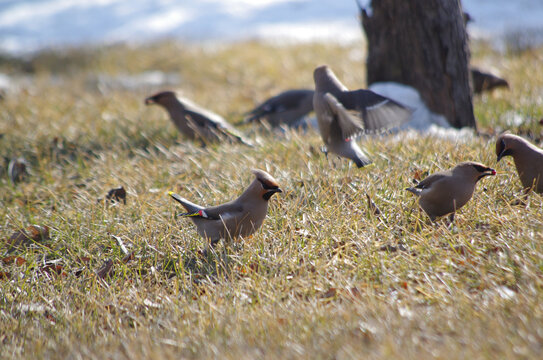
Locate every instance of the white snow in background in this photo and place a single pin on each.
(29, 25)
(497, 17)
(422, 118)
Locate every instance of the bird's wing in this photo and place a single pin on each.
(265, 108)
(324, 114)
(285, 101)
(224, 211)
(348, 123)
(202, 122)
(430, 180)
(204, 119)
(376, 111)
(291, 99)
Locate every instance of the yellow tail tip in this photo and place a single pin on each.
(171, 193)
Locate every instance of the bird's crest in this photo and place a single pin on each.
(268, 182)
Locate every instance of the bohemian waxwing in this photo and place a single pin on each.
(193, 121)
(446, 191)
(528, 160)
(286, 108)
(343, 114)
(483, 81)
(237, 218)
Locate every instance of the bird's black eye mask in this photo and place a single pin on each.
(484, 171)
(268, 186)
(480, 168)
(504, 151)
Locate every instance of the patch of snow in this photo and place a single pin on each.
(422, 118)
(30, 25)
(513, 118)
(147, 80)
(5, 82)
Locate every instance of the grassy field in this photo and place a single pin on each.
(324, 278)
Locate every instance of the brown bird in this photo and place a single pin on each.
(446, 191)
(238, 218)
(343, 114)
(286, 108)
(528, 160)
(193, 121)
(483, 81)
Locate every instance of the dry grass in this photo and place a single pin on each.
(323, 278)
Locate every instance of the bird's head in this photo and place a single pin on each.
(160, 98)
(326, 80)
(504, 145)
(475, 170)
(267, 184)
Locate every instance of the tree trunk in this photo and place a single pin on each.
(423, 44)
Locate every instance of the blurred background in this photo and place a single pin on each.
(30, 25)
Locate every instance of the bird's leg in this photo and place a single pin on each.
(451, 221)
(325, 151)
(210, 247)
(523, 201)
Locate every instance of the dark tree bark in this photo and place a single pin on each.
(423, 44)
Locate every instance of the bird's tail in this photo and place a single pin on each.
(253, 115)
(190, 207)
(359, 157)
(362, 161)
(237, 137)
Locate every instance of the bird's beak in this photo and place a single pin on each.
(269, 193)
(149, 101)
(487, 172)
(503, 152)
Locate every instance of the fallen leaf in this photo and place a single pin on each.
(83, 259)
(53, 269)
(354, 292)
(14, 259)
(128, 257)
(32, 234)
(117, 194)
(106, 269)
(329, 294)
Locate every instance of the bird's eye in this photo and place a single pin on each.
(268, 186)
(480, 168)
